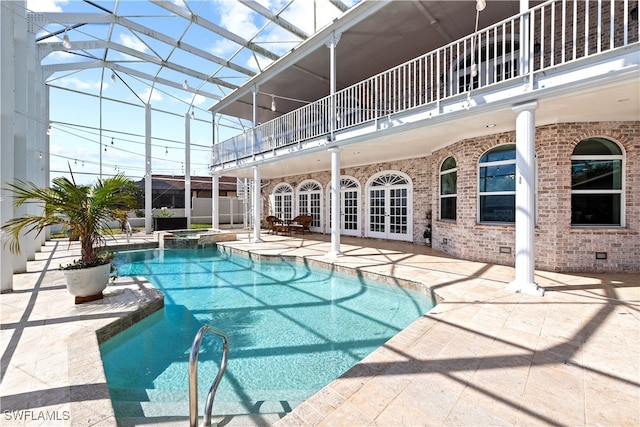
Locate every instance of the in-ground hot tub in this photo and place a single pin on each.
(194, 239)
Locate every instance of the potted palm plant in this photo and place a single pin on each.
(84, 211)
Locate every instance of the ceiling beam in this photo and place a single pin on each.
(198, 20)
(101, 44)
(48, 70)
(95, 18)
(337, 3)
(257, 7)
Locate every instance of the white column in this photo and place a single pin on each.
(7, 84)
(215, 201)
(525, 201)
(335, 204)
(46, 176)
(21, 156)
(41, 125)
(148, 181)
(524, 40)
(331, 44)
(256, 205)
(254, 118)
(187, 168)
(215, 179)
(34, 131)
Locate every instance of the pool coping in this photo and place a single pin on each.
(135, 299)
(332, 267)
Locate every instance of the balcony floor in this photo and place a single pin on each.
(483, 356)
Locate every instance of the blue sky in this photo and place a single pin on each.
(77, 114)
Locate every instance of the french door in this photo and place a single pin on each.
(310, 202)
(282, 201)
(389, 207)
(349, 207)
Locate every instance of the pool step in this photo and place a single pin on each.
(227, 421)
(170, 407)
(155, 395)
(164, 409)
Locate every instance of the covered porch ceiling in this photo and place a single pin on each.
(369, 43)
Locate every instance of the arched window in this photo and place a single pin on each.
(597, 166)
(448, 189)
(282, 201)
(497, 185)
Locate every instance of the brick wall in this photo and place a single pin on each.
(558, 246)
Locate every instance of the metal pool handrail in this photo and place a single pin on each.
(193, 376)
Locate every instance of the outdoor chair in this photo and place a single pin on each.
(271, 223)
(301, 223)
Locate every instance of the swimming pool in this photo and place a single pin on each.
(291, 329)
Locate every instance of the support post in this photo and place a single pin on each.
(331, 44)
(256, 205)
(148, 179)
(215, 202)
(524, 281)
(187, 168)
(22, 161)
(7, 107)
(335, 204)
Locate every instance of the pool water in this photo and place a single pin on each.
(291, 329)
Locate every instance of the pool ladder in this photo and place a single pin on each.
(193, 376)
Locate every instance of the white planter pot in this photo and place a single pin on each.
(88, 281)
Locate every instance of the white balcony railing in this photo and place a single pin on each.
(560, 32)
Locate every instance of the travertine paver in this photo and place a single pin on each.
(51, 367)
(483, 356)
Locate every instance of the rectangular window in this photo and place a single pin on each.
(595, 209)
(498, 178)
(596, 174)
(498, 208)
(448, 208)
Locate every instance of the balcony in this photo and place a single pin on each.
(556, 47)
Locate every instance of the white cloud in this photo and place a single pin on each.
(133, 42)
(149, 96)
(196, 100)
(253, 61)
(223, 47)
(60, 56)
(46, 5)
(76, 83)
(236, 18)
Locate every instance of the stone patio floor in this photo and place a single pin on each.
(483, 356)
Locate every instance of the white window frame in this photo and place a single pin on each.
(447, 196)
(622, 192)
